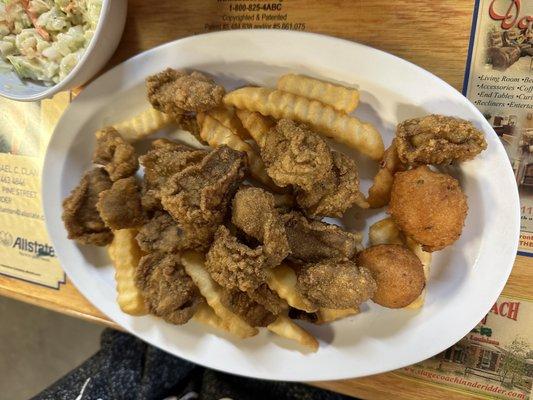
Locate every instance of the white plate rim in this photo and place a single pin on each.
(482, 307)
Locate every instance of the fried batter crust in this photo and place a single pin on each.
(175, 92)
(254, 212)
(334, 283)
(312, 241)
(198, 197)
(169, 292)
(234, 265)
(80, 216)
(116, 155)
(120, 206)
(437, 139)
(428, 206)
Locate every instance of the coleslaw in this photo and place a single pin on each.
(44, 39)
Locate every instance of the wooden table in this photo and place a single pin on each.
(432, 34)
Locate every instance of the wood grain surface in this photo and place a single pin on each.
(431, 34)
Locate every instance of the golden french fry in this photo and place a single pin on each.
(339, 97)
(143, 124)
(195, 267)
(425, 259)
(324, 118)
(256, 124)
(207, 316)
(285, 327)
(125, 255)
(282, 280)
(379, 192)
(227, 117)
(216, 134)
(326, 315)
(386, 232)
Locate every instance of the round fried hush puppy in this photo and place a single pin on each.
(398, 273)
(337, 284)
(428, 206)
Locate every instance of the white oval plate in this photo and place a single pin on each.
(465, 278)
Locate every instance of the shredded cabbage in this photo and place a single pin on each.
(44, 39)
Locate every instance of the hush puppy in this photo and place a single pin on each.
(428, 206)
(398, 273)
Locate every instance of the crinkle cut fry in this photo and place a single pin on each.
(216, 134)
(125, 255)
(194, 265)
(143, 124)
(379, 192)
(339, 97)
(282, 280)
(257, 125)
(322, 117)
(228, 117)
(285, 327)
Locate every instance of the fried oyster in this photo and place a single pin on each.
(437, 139)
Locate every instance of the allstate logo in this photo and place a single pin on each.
(6, 239)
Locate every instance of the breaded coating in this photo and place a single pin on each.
(120, 206)
(165, 159)
(116, 155)
(295, 155)
(175, 92)
(80, 216)
(313, 241)
(251, 311)
(335, 283)
(254, 212)
(428, 206)
(234, 265)
(163, 234)
(199, 196)
(269, 299)
(398, 273)
(169, 292)
(437, 139)
(334, 195)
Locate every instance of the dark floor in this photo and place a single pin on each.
(38, 346)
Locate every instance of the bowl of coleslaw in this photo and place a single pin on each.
(47, 46)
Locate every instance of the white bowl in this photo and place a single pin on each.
(100, 49)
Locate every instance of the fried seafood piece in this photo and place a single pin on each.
(80, 216)
(269, 299)
(428, 206)
(175, 92)
(251, 311)
(165, 159)
(198, 197)
(116, 155)
(234, 265)
(255, 213)
(334, 283)
(313, 241)
(162, 233)
(120, 206)
(168, 291)
(398, 273)
(295, 155)
(335, 194)
(437, 139)
(326, 181)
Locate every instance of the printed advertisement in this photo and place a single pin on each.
(25, 129)
(495, 360)
(499, 81)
